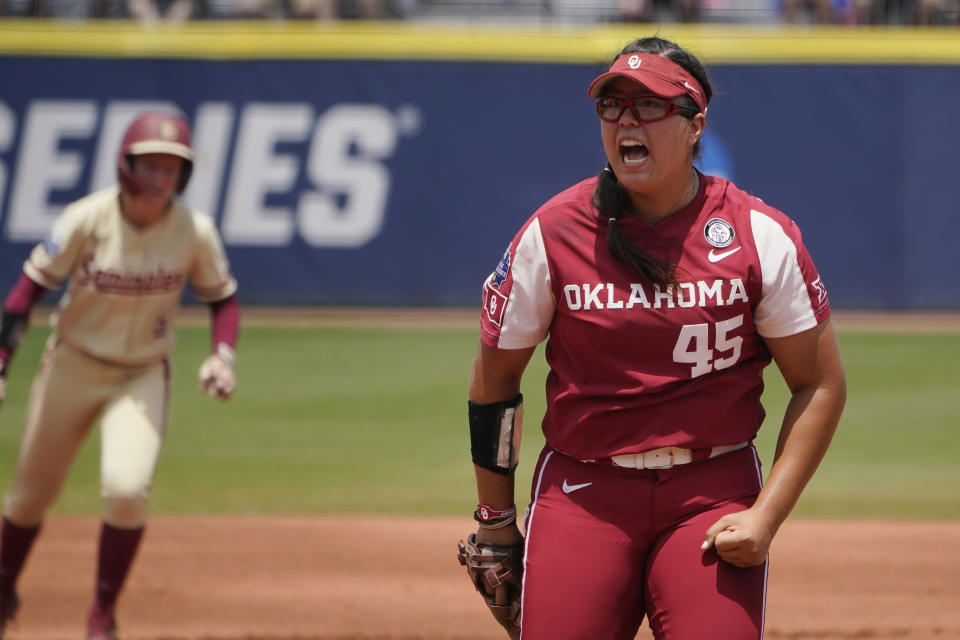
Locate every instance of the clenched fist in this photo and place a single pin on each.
(742, 538)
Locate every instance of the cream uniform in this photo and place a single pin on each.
(108, 352)
(125, 255)
(126, 283)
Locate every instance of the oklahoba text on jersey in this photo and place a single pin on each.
(606, 295)
(129, 282)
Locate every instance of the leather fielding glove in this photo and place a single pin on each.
(496, 572)
(217, 378)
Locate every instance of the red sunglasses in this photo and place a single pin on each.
(643, 108)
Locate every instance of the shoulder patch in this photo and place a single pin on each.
(51, 245)
(494, 304)
(503, 268)
(821, 289)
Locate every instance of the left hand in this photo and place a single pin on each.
(742, 539)
(217, 378)
(496, 572)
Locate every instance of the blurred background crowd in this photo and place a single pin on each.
(853, 12)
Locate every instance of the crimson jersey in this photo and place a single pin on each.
(634, 367)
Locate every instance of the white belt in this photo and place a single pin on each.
(667, 457)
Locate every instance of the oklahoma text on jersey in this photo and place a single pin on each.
(584, 297)
(686, 369)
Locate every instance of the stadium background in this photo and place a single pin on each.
(391, 164)
(385, 166)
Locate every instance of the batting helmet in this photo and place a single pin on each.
(155, 132)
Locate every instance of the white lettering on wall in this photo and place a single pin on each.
(329, 168)
(8, 124)
(259, 169)
(360, 178)
(43, 166)
(212, 126)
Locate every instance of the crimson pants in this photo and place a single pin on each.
(606, 546)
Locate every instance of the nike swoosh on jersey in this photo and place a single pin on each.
(570, 488)
(717, 257)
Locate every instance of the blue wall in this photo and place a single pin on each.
(401, 182)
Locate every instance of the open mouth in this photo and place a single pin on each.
(633, 152)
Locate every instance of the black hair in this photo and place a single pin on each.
(613, 201)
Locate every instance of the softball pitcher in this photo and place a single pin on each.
(127, 253)
(662, 293)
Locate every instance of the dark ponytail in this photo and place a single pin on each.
(613, 201)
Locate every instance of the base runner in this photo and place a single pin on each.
(126, 254)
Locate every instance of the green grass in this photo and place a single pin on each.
(330, 420)
(895, 452)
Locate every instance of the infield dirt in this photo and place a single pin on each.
(346, 578)
(381, 578)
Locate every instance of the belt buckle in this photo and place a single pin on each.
(652, 459)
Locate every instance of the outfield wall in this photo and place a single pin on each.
(390, 164)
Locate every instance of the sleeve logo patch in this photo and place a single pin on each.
(494, 304)
(821, 290)
(500, 274)
(51, 246)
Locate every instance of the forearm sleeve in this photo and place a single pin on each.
(23, 296)
(225, 321)
(16, 312)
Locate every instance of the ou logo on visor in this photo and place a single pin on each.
(634, 61)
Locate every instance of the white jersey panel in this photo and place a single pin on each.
(530, 306)
(784, 308)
